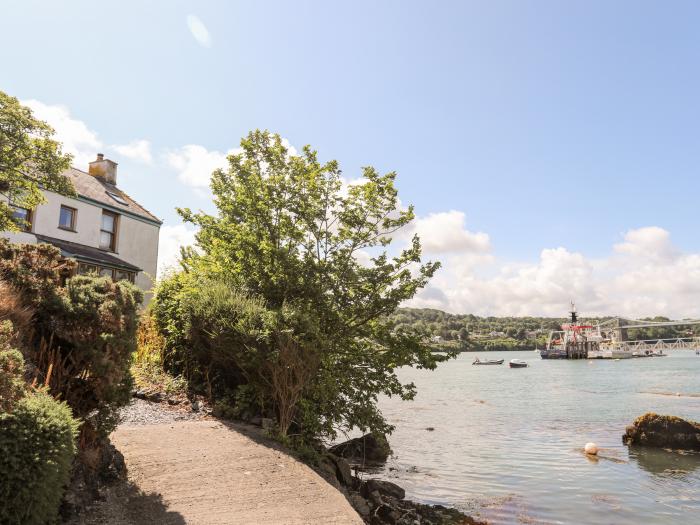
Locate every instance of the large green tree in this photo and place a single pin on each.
(30, 159)
(316, 252)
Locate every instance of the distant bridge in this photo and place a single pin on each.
(654, 345)
(658, 345)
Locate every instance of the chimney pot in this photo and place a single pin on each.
(100, 156)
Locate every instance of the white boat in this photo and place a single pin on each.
(518, 363)
(477, 361)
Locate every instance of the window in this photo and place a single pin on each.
(121, 275)
(23, 218)
(104, 271)
(66, 220)
(118, 198)
(108, 231)
(86, 269)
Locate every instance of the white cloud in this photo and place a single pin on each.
(195, 164)
(199, 30)
(650, 242)
(445, 232)
(172, 238)
(138, 150)
(645, 275)
(77, 138)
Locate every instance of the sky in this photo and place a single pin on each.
(551, 149)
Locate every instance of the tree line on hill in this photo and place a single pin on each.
(468, 332)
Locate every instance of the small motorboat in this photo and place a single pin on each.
(518, 363)
(478, 361)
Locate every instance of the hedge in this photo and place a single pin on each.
(37, 447)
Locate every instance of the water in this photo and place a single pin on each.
(507, 444)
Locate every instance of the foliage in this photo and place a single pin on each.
(37, 447)
(30, 160)
(274, 295)
(83, 331)
(12, 384)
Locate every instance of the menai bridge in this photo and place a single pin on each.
(608, 340)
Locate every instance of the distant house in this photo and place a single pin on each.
(103, 229)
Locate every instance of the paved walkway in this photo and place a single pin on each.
(208, 472)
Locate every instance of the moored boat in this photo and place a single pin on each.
(478, 361)
(518, 363)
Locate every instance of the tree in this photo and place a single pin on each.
(290, 233)
(29, 161)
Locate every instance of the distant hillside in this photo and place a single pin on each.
(467, 332)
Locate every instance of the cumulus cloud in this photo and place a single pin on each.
(199, 31)
(195, 164)
(446, 232)
(138, 150)
(78, 140)
(172, 238)
(642, 276)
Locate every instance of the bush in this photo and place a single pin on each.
(83, 331)
(37, 447)
(12, 385)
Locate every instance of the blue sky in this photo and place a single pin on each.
(523, 127)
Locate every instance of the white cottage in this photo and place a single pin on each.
(103, 229)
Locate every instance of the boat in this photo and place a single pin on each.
(584, 341)
(478, 361)
(518, 363)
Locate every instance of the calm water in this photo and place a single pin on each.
(507, 444)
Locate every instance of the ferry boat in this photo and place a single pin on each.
(579, 341)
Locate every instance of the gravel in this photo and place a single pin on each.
(140, 412)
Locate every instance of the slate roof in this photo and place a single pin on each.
(87, 254)
(95, 189)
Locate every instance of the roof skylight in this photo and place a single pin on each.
(117, 198)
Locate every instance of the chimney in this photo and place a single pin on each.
(104, 169)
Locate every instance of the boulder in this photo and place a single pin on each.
(368, 448)
(359, 504)
(653, 430)
(343, 472)
(385, 488)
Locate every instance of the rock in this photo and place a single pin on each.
(369, 447)
(196, 406)
(155, 397)
(256, 420)
(173, 401)
(140, 394)
(430, 429)
(653, 430)
(329, 470)
(386, 488)
(359, 504)
(268, 423)
(343, 472)
(388, 514)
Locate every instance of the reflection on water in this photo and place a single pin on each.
(507, 444)
(675, 464)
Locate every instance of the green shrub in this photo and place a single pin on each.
(12, 385)
(37, 447)
(83, 331)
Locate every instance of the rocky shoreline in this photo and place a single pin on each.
(377, 501)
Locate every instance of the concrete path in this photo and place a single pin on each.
(186, 468)
(208, 472)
